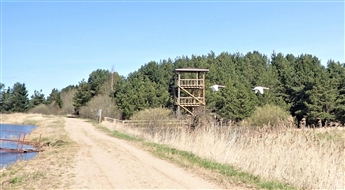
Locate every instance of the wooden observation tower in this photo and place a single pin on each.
(189, 89)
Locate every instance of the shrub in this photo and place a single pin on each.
(269, 115)
(41, 108)
(51, 109)
(153, 119)
(67, 99)
(153, 114)
(104, 102)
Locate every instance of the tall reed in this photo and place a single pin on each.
(304, 158)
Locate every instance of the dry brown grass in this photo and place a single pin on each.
(48, 169)
(306, 159)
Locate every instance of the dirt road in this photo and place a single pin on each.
(104, 162)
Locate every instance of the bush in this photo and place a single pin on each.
(152, 119)
(104, 102)
(41, 108)
(269, 115)
(153, 114)
(51, 109)
(67, 99)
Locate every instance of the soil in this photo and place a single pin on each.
(104, 162)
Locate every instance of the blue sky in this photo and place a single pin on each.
(53, 44)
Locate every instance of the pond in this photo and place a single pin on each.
(8, 131)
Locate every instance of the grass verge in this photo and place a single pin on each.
(116, 134)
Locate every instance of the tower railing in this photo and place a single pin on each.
(189, 101)
(192, 83)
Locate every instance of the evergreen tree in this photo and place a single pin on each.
(97, 79)
(2, 97)
(36, 99)
(55, 96)
(337, 78)
(254, 68)
(308, 71)
(236, 101)
(7, 102)
(82, 96)
(2, 88)
(321, 99)
(284, 74)
(19, 99)
(68, 88)
(139, 93)
(167, 68)
(91, 88)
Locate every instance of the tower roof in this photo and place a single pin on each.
(190, 70)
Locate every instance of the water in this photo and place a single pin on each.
(8, 158)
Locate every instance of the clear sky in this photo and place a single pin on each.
(53, 44)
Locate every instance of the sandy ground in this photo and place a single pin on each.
(104, 162)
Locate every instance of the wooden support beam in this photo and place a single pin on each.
(187, 110)
(192, 95)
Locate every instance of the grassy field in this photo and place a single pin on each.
(305, 159)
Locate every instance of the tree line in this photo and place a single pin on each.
(16, 99)
(300, 85)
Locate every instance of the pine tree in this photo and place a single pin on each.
(282, 74)
(96, 80)
(19, 99)
(306, 89)
(2, 97)
(337, 78)
(36, 99)
(320, 105)
(7, 102)
(82, 96)
(236, 101)
(55, 96)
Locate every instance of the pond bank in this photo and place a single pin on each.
(49, 169)
(11, 151)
